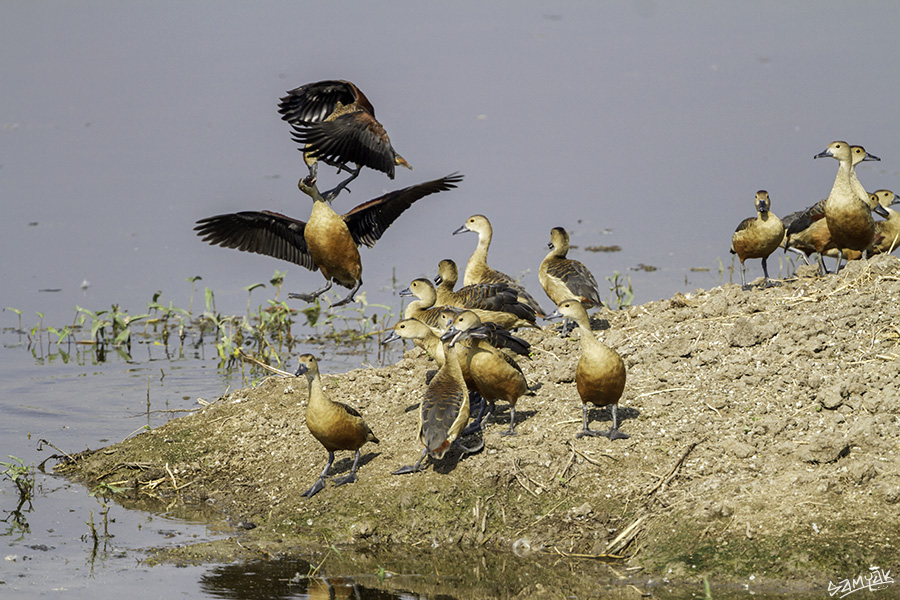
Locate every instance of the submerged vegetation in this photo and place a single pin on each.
(267, 332)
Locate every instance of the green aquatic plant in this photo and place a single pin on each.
(21, 475)
(267, 332)
(18, 314)
(192, 280)
(623, 293)
(249, 290)
(277, 281)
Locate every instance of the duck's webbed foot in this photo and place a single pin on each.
(331, 194)
(590, 432)
(349, 297)
(411, 468)
(351, 476)
(614, 434)
(317, 487)
(311, 296)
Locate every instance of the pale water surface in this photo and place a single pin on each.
(647, 125)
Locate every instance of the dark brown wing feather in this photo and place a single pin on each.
(262, 232)
(440, 409)
(351, 138)
(497, 297)
(314, 102)
(806, 218)
(499, 337)
(745, 224)
(368, 221)
(577, 278)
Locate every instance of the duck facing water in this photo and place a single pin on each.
(565, 278)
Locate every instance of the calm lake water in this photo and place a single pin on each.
(640, 124)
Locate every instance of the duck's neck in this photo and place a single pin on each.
(478, 260)
(481, 250)
(433, 347)
(447, 354)
(316, 390)
(557, 252)
(842, 187)
(858, 190)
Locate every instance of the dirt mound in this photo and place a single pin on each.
(764, 439)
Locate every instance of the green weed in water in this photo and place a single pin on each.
(266, 332)
(623, 293)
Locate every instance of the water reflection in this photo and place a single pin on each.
(285, 579)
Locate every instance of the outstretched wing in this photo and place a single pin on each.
(314, 102)
(262, 232)
(355, 137)
(368, 221)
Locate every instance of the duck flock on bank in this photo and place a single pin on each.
(841, 225)
(467, 330)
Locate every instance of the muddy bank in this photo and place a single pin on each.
(764, 439)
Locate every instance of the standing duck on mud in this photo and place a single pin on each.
(336, 425)
(444, 407)
(847, 213)
(757, 237)
(807, 231)
(477, 269)
(600, 374)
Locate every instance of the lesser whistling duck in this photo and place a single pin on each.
(496, 375)
(477, 269)
(336, 425)
(328, 241)
(429, 341)
(493, 302)
(757, 237)
(565, 278)
(494, 335)
(336, 124)
(858, 154)
(849, 217)
(788, 220)
(444, 408)
(423, 307)
(807, 231)
(887, 232)
(600, 374)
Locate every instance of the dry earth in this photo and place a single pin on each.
(764, 441)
